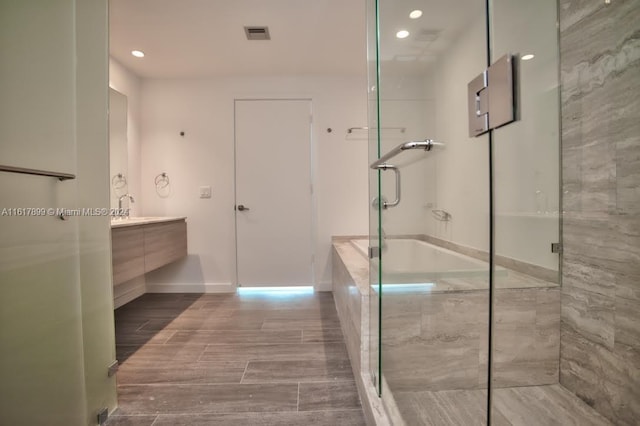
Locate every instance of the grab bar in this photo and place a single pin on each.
(386, 205)
(22, 170)
(401, 129)
(426, 145)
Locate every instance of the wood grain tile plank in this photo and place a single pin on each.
(180, 373)
(316, 418)
(235, 336)
(199, 399)
(117, 420)
(328, 396)
(275, 352)
(297, 371)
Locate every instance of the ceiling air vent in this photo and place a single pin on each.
(257, 33)
(427, 35)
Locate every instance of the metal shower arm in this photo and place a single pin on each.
(425, 145)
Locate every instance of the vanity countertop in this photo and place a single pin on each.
(132, 221)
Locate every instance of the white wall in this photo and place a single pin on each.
(203, 109)
(463, 164)
(431, 102)
(406, 102)
(525, 152)
(129, 84)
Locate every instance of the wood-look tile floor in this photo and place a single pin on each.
(226, 359)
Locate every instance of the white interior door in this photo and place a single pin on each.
(273, 192)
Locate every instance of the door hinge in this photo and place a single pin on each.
(556, 248)
(374, 252)
(113, 368)
(491, 97)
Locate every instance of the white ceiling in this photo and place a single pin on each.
(199, 38)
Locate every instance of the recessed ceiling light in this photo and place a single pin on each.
(402, 34)
(137, 53)
(528, 57)
(415, 14)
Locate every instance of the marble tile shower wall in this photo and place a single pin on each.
(600, 74)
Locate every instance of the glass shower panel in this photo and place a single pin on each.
(526, 284)
(41, 346)
(56, 302)
(374, 194)
(434, 244)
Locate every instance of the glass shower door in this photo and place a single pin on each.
(430, 214)
(526, 187)
(375, 210)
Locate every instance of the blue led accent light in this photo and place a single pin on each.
(275, 291)
(406, 288)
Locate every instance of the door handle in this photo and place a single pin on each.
(242, 208)
(385, 166)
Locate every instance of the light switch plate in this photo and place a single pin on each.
(205, 192)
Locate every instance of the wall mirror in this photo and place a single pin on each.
(118, 161)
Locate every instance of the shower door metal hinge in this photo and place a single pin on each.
(103, 416)
(556, 248)
(491, 97)
(374, 252)
(113, 368)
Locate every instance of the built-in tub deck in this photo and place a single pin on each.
(444, 318)
(437, 269)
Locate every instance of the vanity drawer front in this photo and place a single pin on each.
(164, 243)
(128, 253)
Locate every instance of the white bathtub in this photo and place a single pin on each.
(408, 261)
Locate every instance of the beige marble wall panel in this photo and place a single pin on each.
(438, 341)
(600, 340)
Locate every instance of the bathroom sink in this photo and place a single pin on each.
(138, 220)
(135, 219)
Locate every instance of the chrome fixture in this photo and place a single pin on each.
(161, 180)
(381, 164)
(441, 215)
(491, 97)
(401, 129)
(425, 145)
(118, 181)
(25, 171)
(385, 166)
(122, 197)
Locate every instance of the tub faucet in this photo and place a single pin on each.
(122, 197)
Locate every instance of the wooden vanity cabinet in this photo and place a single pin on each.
(138, 249)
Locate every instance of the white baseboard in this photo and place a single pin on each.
(191, 288)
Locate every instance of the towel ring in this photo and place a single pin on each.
(119, 181)
(162, 180)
